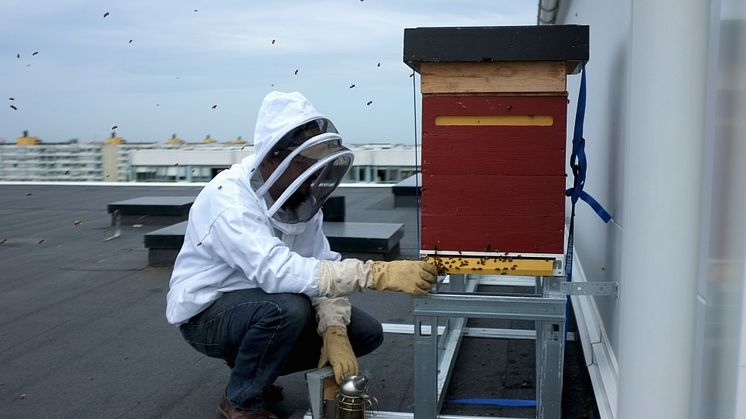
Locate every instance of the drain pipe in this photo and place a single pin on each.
(547, 13)
(666, 63)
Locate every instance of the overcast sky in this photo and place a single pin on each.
(186, 56)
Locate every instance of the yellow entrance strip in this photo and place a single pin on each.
(496, 120)
(492, 265)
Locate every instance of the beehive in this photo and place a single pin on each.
(494, 110)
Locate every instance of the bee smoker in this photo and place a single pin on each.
(352, 399)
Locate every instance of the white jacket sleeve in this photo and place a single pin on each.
(244, 242)
(329, 311)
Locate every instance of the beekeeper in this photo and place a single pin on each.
(256, 283)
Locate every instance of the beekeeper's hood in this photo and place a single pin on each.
(299, 158)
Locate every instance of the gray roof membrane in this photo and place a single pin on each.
(83, 332)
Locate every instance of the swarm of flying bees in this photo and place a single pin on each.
(107, 14)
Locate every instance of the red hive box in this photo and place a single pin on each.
(494, 112)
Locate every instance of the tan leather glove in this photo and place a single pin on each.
(411, 277)
(337, 351)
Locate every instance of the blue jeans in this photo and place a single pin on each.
(262, 336)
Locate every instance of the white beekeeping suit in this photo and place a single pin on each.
(242, 234)
(258, 224)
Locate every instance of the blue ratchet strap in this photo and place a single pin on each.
(495, 402)
(579, 165)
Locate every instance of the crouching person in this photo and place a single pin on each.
(256, 284)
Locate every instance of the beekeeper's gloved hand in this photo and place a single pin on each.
(337, 351)
(350, 275)
(411, 277)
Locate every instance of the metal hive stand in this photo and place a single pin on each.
(435, 353)
(435, 356)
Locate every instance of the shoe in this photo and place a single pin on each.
(273, 394)
(229, 412)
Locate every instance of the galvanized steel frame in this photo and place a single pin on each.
(435, 357)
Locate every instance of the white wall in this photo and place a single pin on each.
(194, 157)
(719, 333)
(374, 155)
(399, 156)
(720, 380)
(599, 244)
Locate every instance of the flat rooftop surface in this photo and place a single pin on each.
(83, 332)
